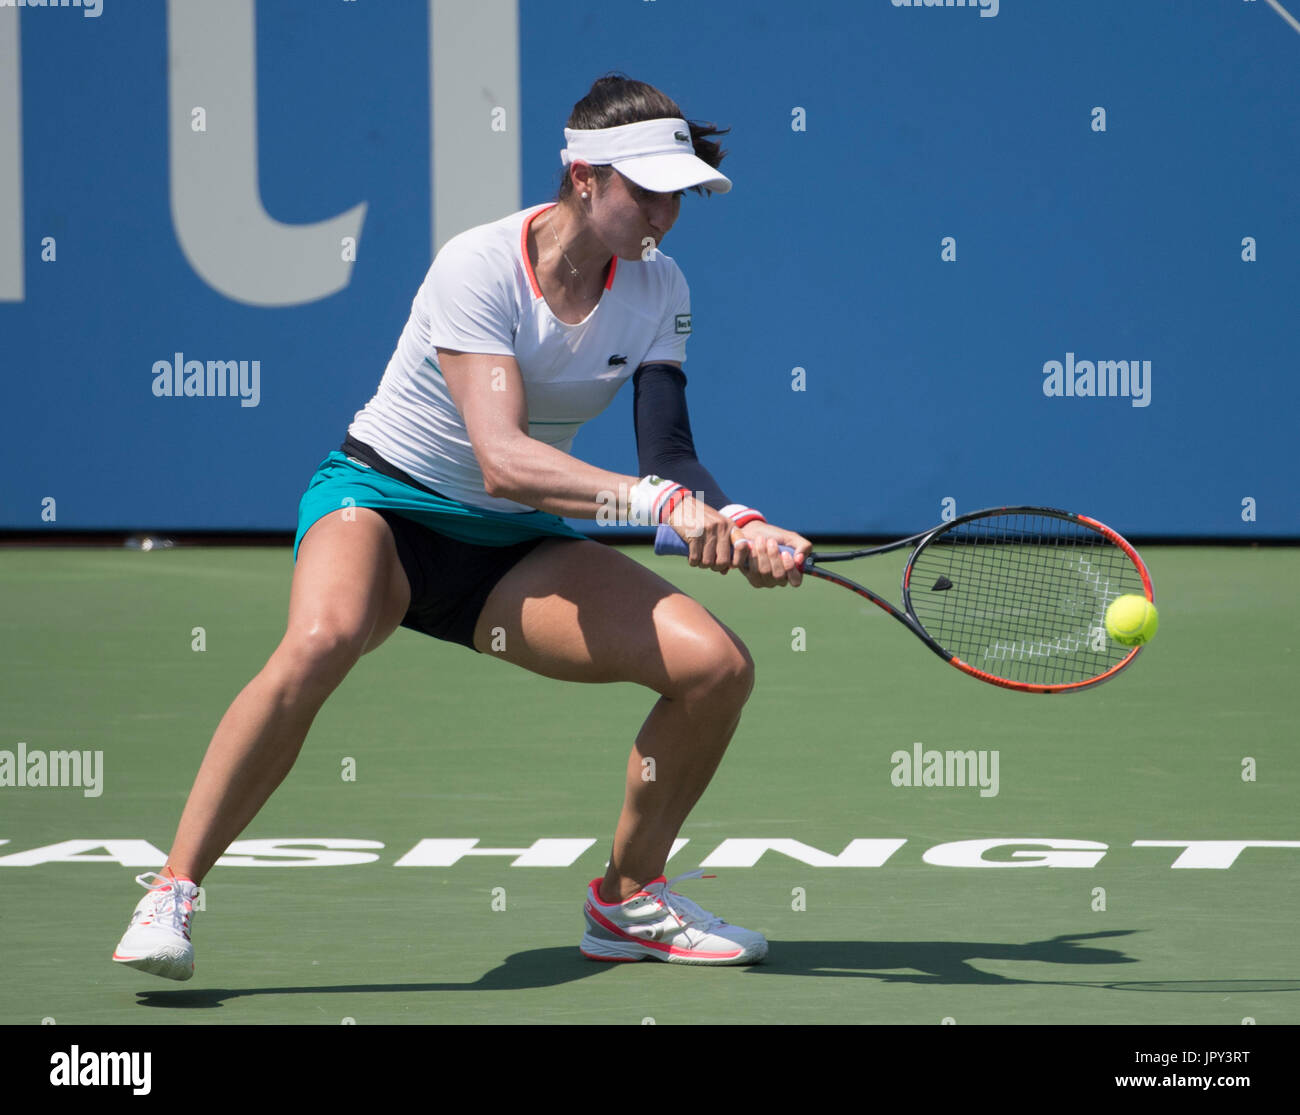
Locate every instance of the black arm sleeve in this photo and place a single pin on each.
(663, 432)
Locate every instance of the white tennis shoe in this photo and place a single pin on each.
(659, 924)
(158, 939)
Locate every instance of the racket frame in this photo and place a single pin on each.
(813, 567)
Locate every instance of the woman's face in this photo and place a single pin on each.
(625, 216)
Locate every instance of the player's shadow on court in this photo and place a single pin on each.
(536, 968)
(922, 962)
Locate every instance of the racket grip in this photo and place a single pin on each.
(668, 541)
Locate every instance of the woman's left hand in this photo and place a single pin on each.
(762, 560)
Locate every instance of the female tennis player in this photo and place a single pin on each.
(442, 513)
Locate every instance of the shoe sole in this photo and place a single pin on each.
(629, 952)
(165, 966)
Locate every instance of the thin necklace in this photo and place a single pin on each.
(567, 260)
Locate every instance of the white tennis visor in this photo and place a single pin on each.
(655, 154)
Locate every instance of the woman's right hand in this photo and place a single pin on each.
(709, 534)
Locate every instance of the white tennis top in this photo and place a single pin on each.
(480, 295)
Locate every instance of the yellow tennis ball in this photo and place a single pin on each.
(1131, 620)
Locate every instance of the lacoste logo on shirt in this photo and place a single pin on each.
(681, 136)
(617, 360)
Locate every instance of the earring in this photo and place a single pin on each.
(584, 195)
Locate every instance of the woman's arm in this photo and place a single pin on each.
(488, 391)
(666, 446)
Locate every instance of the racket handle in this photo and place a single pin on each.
(668, 541)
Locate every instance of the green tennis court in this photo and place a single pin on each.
(1192, 748)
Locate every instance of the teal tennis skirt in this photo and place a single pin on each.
(341, 482)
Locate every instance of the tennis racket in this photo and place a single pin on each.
(1014, 596)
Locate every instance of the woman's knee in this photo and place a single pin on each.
(318, 655)
(710, 663)
(349, 594)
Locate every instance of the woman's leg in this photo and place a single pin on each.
(349, 594)
(579, 611)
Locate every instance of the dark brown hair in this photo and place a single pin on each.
(616, 99)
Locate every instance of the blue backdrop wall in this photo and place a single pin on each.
(933, 207)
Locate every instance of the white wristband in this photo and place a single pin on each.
(648, 498)
(739, 514)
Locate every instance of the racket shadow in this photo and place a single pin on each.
(934, 962)
(952, 963)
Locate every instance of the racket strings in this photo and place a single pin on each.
(1023, 596)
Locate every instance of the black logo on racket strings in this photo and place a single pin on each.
(941, 584)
